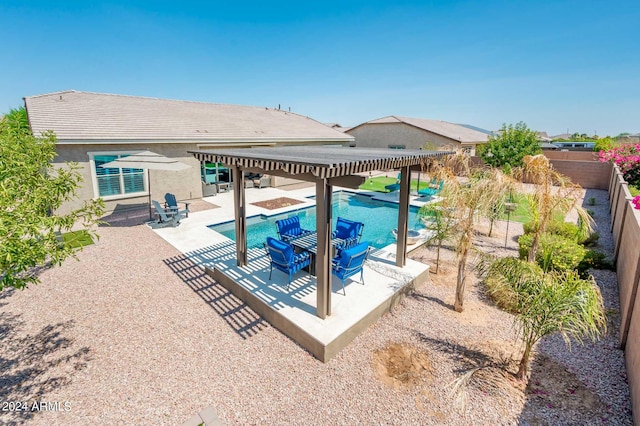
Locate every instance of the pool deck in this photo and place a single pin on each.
(294, 311)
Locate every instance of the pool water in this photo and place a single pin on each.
(379, 218)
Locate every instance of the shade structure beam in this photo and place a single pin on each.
(403, 216)
(240, 209)
(323, 256)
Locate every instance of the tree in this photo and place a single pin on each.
(510, 146)
(469, 199)
(545, 303)
(32, 190)
(554, 192)
(439, 220)
(604, 144)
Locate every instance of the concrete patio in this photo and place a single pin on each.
(293, 311)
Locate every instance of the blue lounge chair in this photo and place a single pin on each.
(430, 192)
(349, 231)
(167, 216)
(394, 186)
(350, 262)
(282, 257)
(170, 202)
(289, 228)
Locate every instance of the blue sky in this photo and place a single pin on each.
(555, 65)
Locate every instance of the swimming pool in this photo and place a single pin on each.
(379, 218)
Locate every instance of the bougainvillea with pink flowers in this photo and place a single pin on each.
(627, 157)
(636, 202)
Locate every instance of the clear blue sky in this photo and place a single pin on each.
(556, 65)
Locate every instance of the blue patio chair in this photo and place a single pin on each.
(349, 231)
(167, 216)
(289, 228)
(350, 262)
(430, 192)
(170, 202)
(282, 257)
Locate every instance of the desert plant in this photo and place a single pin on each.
(439, 219)
(594, 259)
(469, 199)
(556, 252)
(546, 303)
(553, 192)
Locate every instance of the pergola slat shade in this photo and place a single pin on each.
(320, 165)
(321, 162)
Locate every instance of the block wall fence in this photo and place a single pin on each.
(625, 227)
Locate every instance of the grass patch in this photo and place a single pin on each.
(378, 184)
(522, 213)
(76, 239)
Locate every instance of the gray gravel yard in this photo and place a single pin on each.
(134, 333)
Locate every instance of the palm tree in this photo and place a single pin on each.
(439, 220)
(553, 192)
(545, 303)
(468, 199)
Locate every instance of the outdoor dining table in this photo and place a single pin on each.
(309, 243)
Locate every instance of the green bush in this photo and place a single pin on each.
(591, 240)
(555, 252)
(564, 229)
(530, 227)
(594, 259)
(506, 278)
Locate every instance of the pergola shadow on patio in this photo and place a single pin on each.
(326, 167)
(293, 311)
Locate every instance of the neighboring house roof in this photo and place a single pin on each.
(561, 136)
(452, 131)
(547, 145)
(84, 116)
(479, 129)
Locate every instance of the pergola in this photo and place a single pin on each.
(325, 166)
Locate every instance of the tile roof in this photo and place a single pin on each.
(452, 131)
(86, 116)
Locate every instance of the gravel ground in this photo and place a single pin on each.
(134, 333)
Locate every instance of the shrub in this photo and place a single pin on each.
(567, 230)
(591, 240)
(505, 278)
(530, 227)
(627, 157)
(556, 252)
(594, 259)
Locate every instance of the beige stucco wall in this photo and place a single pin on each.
(185, 184)
(382, 135)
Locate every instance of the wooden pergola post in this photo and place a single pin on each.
(323, 254)
(240, 209)
(403, 217)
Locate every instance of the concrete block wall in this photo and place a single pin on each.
(625, 226)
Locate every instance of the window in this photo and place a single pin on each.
(112, 182)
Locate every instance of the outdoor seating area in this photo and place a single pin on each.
(289, 229)
(168, 216)
(171, 203)
(434, 188)
(297, 248)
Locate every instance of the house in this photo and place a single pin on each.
(95, 128)
(397, 132)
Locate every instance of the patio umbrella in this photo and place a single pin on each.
(146, 160)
